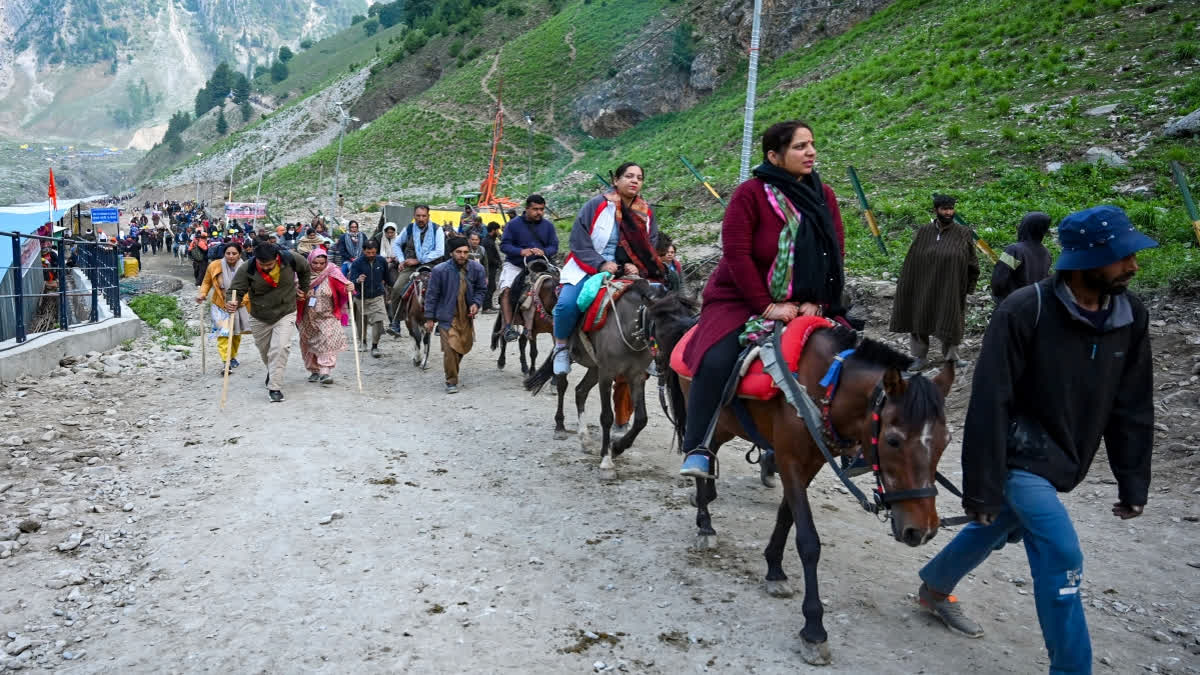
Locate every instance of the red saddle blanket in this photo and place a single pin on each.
(757, 383)
(601, 307)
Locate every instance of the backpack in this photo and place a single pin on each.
(197, 254)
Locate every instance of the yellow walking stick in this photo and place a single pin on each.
(354, 332)
(229, 352)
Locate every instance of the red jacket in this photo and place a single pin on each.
(737, 289)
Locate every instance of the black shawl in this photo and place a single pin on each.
(817, 274)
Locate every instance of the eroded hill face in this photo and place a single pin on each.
(111, 72)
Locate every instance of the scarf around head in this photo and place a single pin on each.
(337, 284)
(634, 237)
(808, 265)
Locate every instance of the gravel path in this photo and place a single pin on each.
(406, 530)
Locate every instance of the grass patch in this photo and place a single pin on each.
(153, 308)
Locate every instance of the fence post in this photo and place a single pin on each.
(18, 287)
(91, 261)
(64, 316)
(116, 288)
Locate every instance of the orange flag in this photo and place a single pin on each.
(52, 193)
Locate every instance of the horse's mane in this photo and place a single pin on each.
(878, 354)
(922, 399)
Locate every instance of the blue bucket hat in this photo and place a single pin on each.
(1096, 237)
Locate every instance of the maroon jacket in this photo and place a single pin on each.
(737, 289)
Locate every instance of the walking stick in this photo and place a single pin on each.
(229, 353)
(354, 332)
(362, 302)
(204, 339)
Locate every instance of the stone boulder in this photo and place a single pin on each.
(1189, 125)
(1100, 155)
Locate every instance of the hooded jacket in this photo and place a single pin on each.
(1025, 262)
(1046, 364)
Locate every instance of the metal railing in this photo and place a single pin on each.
(83, 273)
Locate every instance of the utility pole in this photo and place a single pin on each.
(198, 155)
(529, 172)
(262, 165)
(343, 118)
(751, 92)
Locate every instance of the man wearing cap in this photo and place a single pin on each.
(270, 286)
(939, 272)
(1065, 364)
(455, 294)
(528, 236)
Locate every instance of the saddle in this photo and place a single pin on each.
(531, 296)
(755, 382)
(606, 296)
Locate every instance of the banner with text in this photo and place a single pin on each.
(245, 210)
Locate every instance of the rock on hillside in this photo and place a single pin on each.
(653, 83)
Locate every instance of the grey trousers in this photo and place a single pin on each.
(919, 346)
(274, 342)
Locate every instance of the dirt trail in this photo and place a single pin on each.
(473, 542)
(576, 155)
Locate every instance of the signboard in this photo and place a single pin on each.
(105, 216)
(245, 210)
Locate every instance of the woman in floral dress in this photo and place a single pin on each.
(323, 318)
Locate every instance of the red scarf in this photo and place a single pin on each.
(267, 277)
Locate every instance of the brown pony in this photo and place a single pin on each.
(537, 320)
(414, 317)
(910, 436)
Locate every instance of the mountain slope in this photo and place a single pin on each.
(71, 69)
(976, 99)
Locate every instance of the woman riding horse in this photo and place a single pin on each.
(783, 250)
(615, 232)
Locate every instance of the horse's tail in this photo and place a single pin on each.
(496, 332)
(678, 404)
(535, 382)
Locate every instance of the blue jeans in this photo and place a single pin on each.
(566, 313)
(1036, 515)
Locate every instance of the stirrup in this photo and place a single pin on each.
(714, 467)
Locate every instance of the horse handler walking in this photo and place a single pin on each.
(456, 290)
(1065, 363)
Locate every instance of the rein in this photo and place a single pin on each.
(798, 397)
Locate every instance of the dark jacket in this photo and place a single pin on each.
(267, 303)
(1032, 256)
(441, 299)
(1075, 382)
(349, 246)
(521, 234)
(375, 271)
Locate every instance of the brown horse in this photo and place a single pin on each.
(414, 317)
(538, 318)
(899, 423)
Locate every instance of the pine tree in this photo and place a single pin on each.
(241, 88)
(222, 125)
(247, 111)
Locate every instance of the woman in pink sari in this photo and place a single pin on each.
(323, 317)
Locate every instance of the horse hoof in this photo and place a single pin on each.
(706, 542)
(561, 435)
(815, 653)
(779, 588)
(608, 474)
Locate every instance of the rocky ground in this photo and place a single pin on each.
(142, 529)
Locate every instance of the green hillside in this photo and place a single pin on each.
(972, 98)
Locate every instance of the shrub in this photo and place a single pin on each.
(1002, 105)
(683, 47)
(306, 43)
(357, 18)
(371, 26)
(285, 54)
(954, 133)
(279, 71)
(1009, 134)
(414, 41)
(1186, 51)
(514, 10)
(456, 48)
